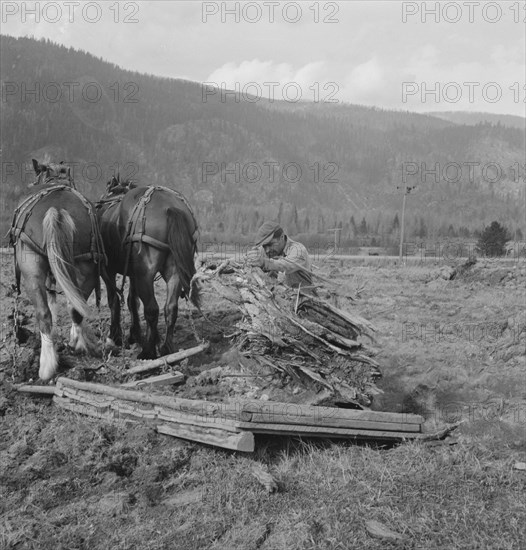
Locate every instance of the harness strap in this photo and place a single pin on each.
(149, 240)
(131, 236)
(138, 220)
(39, 250)
(32, 244)
(25, 209)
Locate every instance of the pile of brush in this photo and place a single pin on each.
(296, 336)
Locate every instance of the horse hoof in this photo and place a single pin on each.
(131, 342)
(147, 355)
(114, 342)
(133, 339)
(22, 335)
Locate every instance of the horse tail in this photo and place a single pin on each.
(183, 248)
(59, 229)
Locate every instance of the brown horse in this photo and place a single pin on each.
(148, 230)
(56, 240)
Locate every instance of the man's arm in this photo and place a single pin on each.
(296, 259)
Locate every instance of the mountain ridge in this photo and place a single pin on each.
(474, 118)
(312, 165)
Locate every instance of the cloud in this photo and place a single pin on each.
(252, 75)
(368, 54)
(365, 78)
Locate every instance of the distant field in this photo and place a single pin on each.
(321, 259)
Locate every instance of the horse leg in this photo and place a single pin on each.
(173, 291)
(52, 303)
(36, 288)
(133, 306)
(146, 293)
(34, 269)
(115, 338)
(48, 353)
(82, 339)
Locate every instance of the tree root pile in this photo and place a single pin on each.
(310, 346)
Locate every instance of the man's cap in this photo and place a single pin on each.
(266, 232)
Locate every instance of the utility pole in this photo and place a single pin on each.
(407, 190)
(337, 231)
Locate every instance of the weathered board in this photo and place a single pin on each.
(275, 412)
(242, 441)
(325, 431)
(230, 425)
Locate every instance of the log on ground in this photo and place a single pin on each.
(145, 366)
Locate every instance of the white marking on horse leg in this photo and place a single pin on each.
(52, 302)
(48, 358)
(73, 335)
(78, 338)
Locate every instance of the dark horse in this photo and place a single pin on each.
(56, 240)
(148, 230)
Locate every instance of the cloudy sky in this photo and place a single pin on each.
(391, 54)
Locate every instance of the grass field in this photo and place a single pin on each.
(449, 349)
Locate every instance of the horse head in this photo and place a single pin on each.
(116, 186)
(52, 172)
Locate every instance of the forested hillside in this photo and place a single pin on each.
(463, 117)
(314, 166)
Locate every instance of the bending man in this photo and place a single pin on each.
(274, 251)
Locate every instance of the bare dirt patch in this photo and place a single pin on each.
(450, 349)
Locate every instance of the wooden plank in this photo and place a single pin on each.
(168, 415)
(96, 400)
(240, 441)
(161, 380)
(39, 390)
(69, 405)
(102, 408)
(189, 406)
(336, 422)
(258, 411)
(68, 392)
(124, 409)
(145, 366)
(324, 431)
(274, 411)
(108, 406)
(85, 409)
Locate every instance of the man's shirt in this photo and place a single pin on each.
(293, 258)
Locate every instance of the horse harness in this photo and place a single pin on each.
(135, 229)
(25, 209)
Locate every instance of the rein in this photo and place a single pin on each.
(110, 201)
